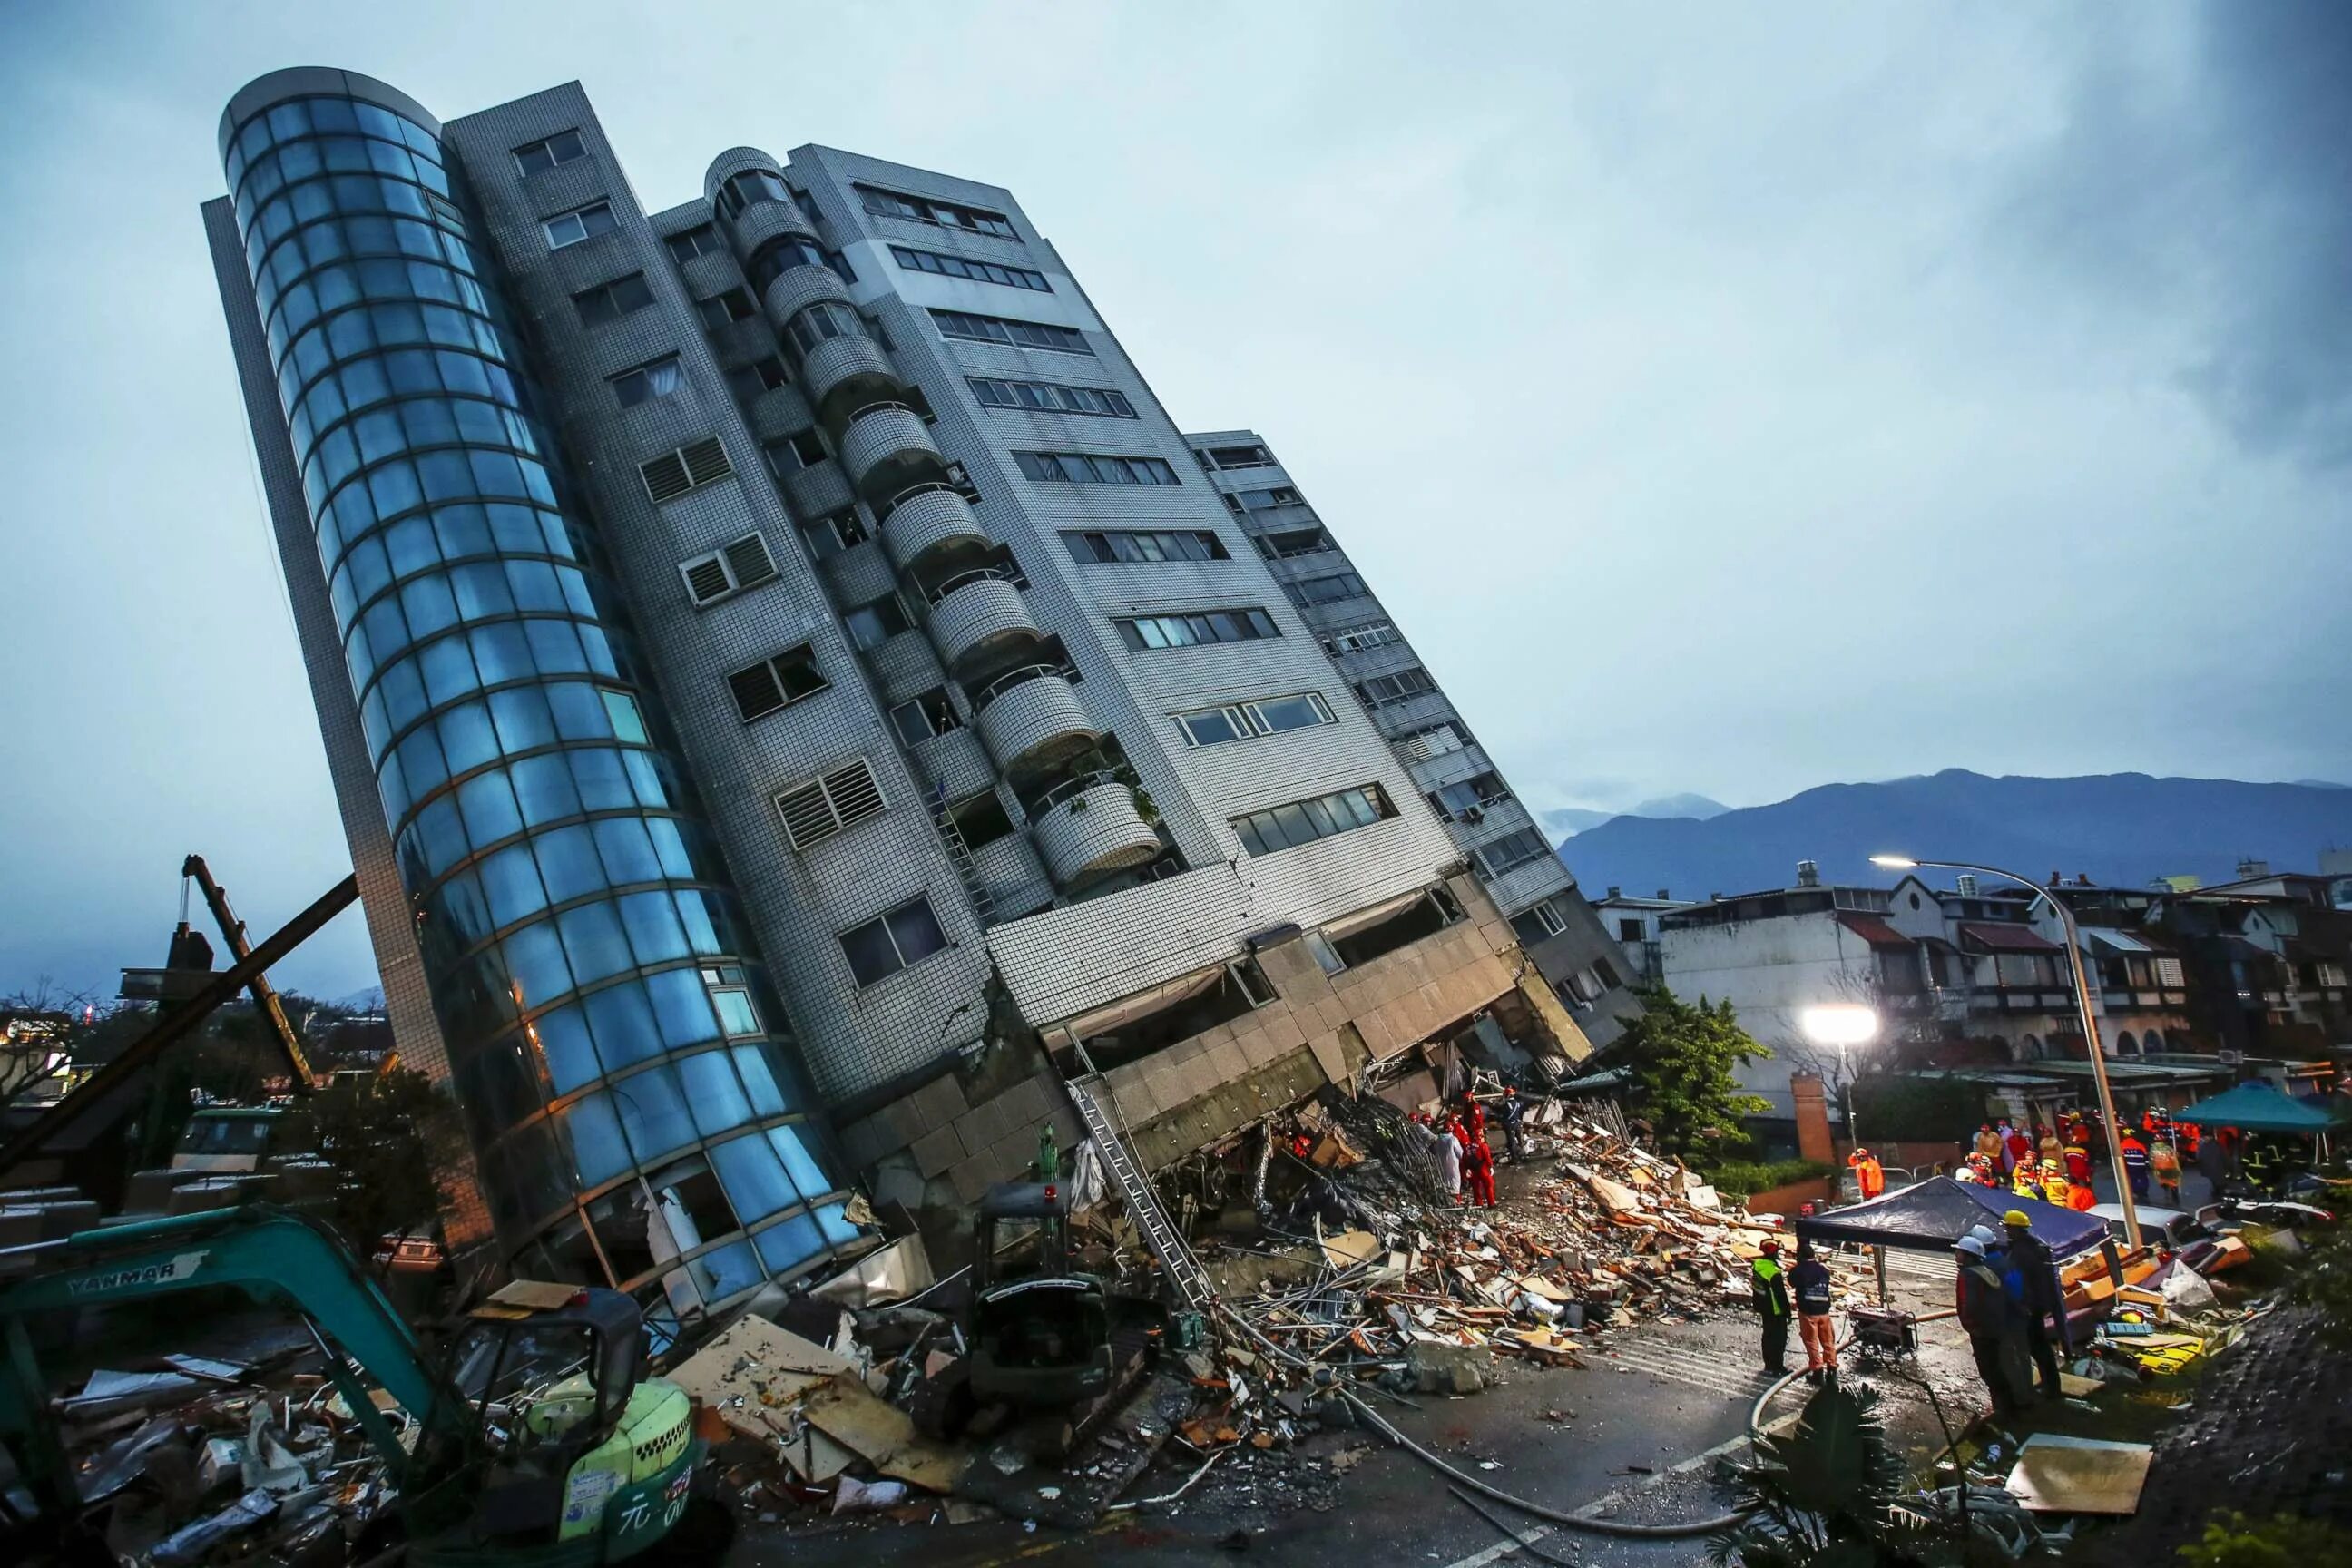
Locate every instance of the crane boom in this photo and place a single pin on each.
(264, 995)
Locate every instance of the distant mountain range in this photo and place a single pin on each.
(2122, 829)
(1568, 820)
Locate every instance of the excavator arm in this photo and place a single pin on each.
(265, 996)
(273, 1256)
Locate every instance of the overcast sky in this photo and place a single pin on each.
(1729, 399)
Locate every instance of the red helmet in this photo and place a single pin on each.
(1770, 1249)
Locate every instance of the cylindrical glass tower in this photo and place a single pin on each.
(627, 1073)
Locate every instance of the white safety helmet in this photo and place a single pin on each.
(1970, 1245)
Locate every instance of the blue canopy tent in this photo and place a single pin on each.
(1932, 1215)
(2256, 1107)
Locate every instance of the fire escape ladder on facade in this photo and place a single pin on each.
(960, 855)
(1167, 1244)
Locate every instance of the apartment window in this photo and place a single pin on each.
(968, 267)
(1006, 330)
(1106, 545)
(872, 624)
(775, 682)
(1094, 469)
(701, 241)
(1304, 821)
(750, 186)
(1326, 590)
(1297, 541)
(673, 473)
(540, 156)
(1383, 689)
(1357, 639)
(610, 302)
(745, 564)
(1258, 501)
(823, 806)
(1467, 801)
(888, 944)
(584, 223)
(921, 717)
(794, 453)
(1631, 930)
(647, 382)
(819, 323)
(765, 374)
(979, 819)
(628, 722)
(1237, 458)
(724, 309)
(926, 209)
(1513, 849)
(779, 256)
(1266, 716)
(1532, 925)
(1205, 627)
(732, 999)
(1435, 740)
(2168, 973)
(831, 534)
(1051, 397)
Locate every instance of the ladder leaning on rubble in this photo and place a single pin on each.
(1159, 1232)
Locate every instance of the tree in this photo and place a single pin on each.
(36, 1029)
(379, 1137)
(1681, 1060)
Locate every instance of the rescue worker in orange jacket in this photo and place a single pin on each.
(1868, 1174)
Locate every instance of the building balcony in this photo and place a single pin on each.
(1008, 868)
(929, 528)
(795, 288)
(1092, 830)
(842, 375)
(887, 448)
(979, 613)
(763, 221)
(955, 763)
(1032, 719)
(778, 412)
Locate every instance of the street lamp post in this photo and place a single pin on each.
(2081, 1009)
(1845, 1026)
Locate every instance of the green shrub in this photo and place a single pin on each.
(1743, 1178)
(2232, 1540)
(1917, 1109)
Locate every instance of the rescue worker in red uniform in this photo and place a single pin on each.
(1478, 1173)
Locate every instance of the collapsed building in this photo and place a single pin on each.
(794, 700)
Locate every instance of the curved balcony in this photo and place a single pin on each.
(976, 613)
(930, 525)
(1092, 830)
(763, 221)
(845, 375)
(1030, 719)
(887, 449)
(795, 288)
(954, 763)
(731, 163)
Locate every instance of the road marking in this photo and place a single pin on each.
(1502, 1549)
(1702, 1370)
(1626, 1494)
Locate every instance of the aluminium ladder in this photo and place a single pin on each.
(1159, 1234)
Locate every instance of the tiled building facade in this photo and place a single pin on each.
(766, 649)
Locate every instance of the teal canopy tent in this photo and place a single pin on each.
(2256, 1107)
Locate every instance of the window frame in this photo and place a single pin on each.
(1076, 539)
(692, 244)
(1138, 641)
(1097, 468)
(547, 224)
(644, 375)
(604, 292)
(1320, 814)
(776, 670)
(970, 268)
(1045, 337)
(897, 947)
(546, 144)
(1248, 719)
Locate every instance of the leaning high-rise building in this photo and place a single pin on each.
(793, 697)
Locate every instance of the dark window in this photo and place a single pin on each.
(1469, 799)
(968, 267)
(1258, 501)
(572, 227)
(694, 242)
(720, 310)
(773, 683)
(748, 382)
(1356, 639)
(819, 323)
(980, 819)
(779, 256)
(559, 148)
(751, 185)
(1602, 967)
(926, 209)
(1303, 822)
(1109, 545)
(1203, 626)
(794, 453)
(1237, 458)
(1051, 397)
(1382, 689)
(888, 944)
(1534, 925)
(872, 623)
(1266, 716)
(647, 382)
(1326, 590)
(610, 302)
(1513, 849)
(921, 717)
(1015, 334)
(1629, 930)
(833, 534)
(1094, 469)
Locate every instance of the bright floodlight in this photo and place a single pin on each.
(1895, 862)
(1840, 1024)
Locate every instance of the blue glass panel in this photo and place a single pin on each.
(429, 421)
(543, 788)
(510, 881)
(724, 1271)
(652, 1112)
(487, 804)
(789, 1243)
(645, 780)
(463, 907)
(835, 1226)
(481, 590)
(466, 738)
(411, 545)
(556, 647)
(441, 833)
(446, 475)
(758, 1082)
(754, 1181)
(578, 711)
(404, 693)
(562, 1038)
(393, 489)
(594, 941)
(535, 958)
(628, 853)
(700, 934)
(799, 1163)
(448, 669)
(622, 1023)
(463, 532)
(502, 653)
(479, 423)
(669, 848)
(602, 786)
(429, 605)
(421, 761)
(535, 588)
(378, 433)
(596, 1142)
(523, 719)
(683, 1006)
(713, 1092)
(568, 863)
(654, 933)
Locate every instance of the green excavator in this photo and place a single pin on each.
(540, 1443)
